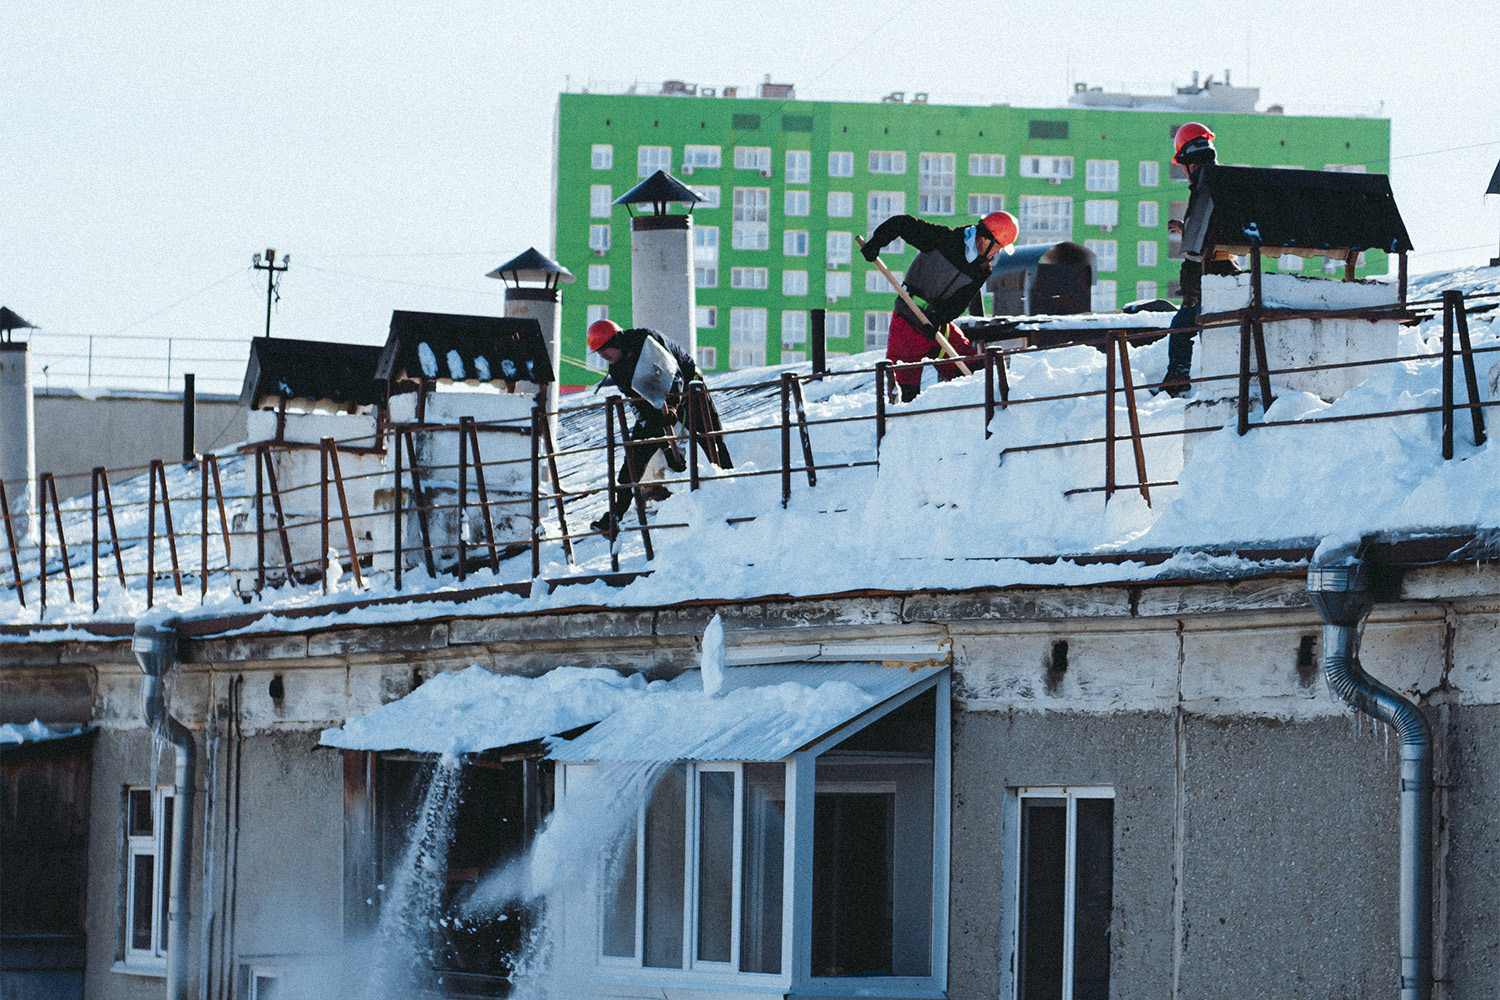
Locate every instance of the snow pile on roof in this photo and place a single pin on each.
(474, 710)
(36, 731)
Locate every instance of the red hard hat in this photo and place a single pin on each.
(1002, 227)
(601, 332)
(1187, 134)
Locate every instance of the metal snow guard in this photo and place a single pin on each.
(311, 373)
(1305, 212)
(669, 723)
(450, 347)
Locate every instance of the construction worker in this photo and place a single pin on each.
(1194, 150)
(951, 267)
(657, 391)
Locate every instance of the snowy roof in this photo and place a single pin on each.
(36, 731)
(309, 372)
(475, 710)
(446, 346)
(763, 712)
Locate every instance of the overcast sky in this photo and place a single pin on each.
(398, 152)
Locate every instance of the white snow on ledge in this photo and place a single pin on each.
(36, 731)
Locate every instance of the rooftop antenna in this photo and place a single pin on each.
(272, 269)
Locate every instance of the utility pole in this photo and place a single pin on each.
(272, 269)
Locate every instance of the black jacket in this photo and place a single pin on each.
(942, 279)
(622, 372)
(1190, 274)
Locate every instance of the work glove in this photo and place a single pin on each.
(870, 251)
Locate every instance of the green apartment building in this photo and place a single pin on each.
(787, 184)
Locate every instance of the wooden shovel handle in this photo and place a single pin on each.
(942, 339)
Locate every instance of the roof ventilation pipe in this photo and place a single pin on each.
(155, 648)
(1337, 586)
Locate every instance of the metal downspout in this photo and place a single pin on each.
(1338, 589)
(155, 647)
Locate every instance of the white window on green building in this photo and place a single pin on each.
(700, 158)
(650, 159)
(840, 204)
(602, 156)
(1105, 296)
(1145, 290)
(876, 282)
(793, 282)
(887, 161)
(935, 180)
(877, 329)
(794, 243)
(798, 166)
(706, 317)
(794, 329)
(747, 337)
(1106, 252)
(840, 248)
(753, 158)
(1101, 175)
(836, 285)
(1045, 219)
(1345, 168)
(835, 325)
(1101, 212)
(708, 359)
(1145, 253)
(840, 164)
(981, 205)
(1146, 214)
(709, 193)
(1052, 168)
(748, 277)
(798, 203)
(599, 277)
(601, 199)
(1150, 173)
(706, 257)
(881, 205)
(599, 239)
(752, 219)
(987, 165)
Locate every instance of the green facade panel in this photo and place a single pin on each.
(1001, 157)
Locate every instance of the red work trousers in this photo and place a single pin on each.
(908, 344)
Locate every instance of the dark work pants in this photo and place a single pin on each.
(1180, 341)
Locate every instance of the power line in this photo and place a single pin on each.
(1450, 149)
(396, 281)
(179, 302)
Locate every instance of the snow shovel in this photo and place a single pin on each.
(942, 339)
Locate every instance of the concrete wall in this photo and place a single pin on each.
(1254, 822)
(74, 434)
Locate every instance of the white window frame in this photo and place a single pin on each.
(794, 328)
(798, 166)
(794, 282)
(1104, 296)
(1149, 174)
(986, 164)
(701, 158)
(1045, 219)
(936, 180)
(709, 193)
(797, 202)
(836, 285)
(877, 283)
(601, 200)
(706, 317)
(754, 278)
(882, 205)
(705, 245)
(752, 219)
(1101, 175)
(747, 337)
(1145, 290)
(877, 329)
(1102, 212)
(981, 205)
(840, 248)
(794, 242)
(1010, 861)
(835, 324)
(1147, 253)
(840, 164)
(602, 156)
(887, 161)
(157, 847)
(1106, 252)
(1148, 214)
(841, 204)
(650, 159)
(753, 158)
(599, 239)
(598, 277)
(708, 358)
(1052, 168)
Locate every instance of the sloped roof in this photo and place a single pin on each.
(1315, 211)
(458, 348)
(310, 372)
(659, 189)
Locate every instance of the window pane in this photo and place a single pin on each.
(140, 812)
(166, 868)
(619, 902)
(1093, 903)
(852, 887)
(1044, 842)
(715, 864)
(666, 818)
(761, 872)
(142, 877)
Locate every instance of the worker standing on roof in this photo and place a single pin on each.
(1194, 150)
(653, 374)
(952, 265)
